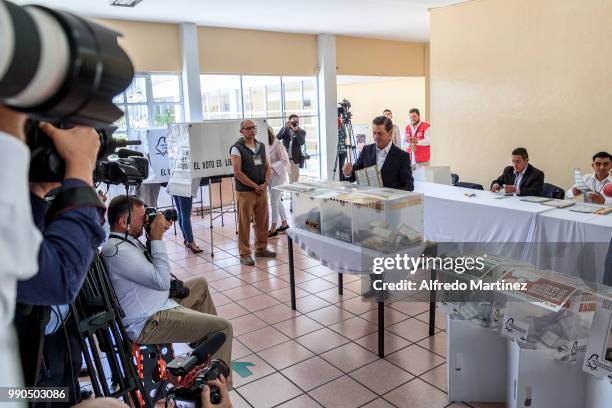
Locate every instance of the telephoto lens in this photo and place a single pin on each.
(60, 67)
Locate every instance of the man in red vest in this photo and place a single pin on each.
(417, 136)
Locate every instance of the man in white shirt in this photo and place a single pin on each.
(596, 181)
(19, 239)
(396, 135)
(141, 279)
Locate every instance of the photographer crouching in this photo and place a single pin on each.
(155, 314)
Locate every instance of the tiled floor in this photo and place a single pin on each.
(323, 354)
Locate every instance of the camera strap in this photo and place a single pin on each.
(72, 198)
(141, 247)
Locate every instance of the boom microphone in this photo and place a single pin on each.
(180, 367)
(123, 153)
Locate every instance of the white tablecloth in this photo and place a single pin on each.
(339, 256)
(451, 216)
(573, 243)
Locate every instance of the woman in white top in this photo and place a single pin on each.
(279, 162)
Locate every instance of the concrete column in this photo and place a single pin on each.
(328, 112)
(188, 33)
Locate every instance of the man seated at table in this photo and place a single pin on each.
(521, 178)
(596, 181)
(392, 162)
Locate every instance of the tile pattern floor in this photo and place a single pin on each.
(323, 354)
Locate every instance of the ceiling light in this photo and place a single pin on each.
(124, 3)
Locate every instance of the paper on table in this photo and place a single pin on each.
(533, 199)
(559, 203)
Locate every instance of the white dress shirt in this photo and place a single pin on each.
(142, 287)
(381, 155)
(517, 180)
(596, 186)
(20, 241)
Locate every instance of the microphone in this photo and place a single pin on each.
(180, 366)
(124, 153)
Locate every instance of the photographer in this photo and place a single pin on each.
(293, 138)
(142, 281)
(20, 238)
(71, 231)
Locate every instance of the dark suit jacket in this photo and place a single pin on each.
(286, 135)
(396, 172)
(532, 182)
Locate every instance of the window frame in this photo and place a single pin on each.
(283, 113)
(150, 103)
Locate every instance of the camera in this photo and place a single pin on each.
(47, 166)
(192, 394)
(178, 289)
(189, 374)
(59, 67)
(151, 212)
(344, 109)
(65, 70)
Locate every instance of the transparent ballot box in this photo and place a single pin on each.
(554, 312)
(380, 219)
(306, 201)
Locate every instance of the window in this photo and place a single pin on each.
(151, 101)
(265, 96)
(221, 97)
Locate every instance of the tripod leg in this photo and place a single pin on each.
(211, 219)
(221, 201)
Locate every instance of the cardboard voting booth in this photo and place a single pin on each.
(202, 149)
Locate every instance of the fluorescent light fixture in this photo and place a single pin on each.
(124, 3)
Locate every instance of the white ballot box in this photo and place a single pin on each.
(476, 363)
(433, 174)
(598, 392)
(535, 379)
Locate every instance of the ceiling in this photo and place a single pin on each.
(406, 20)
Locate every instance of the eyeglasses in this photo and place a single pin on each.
(249, 128)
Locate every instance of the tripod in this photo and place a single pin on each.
(344, 150)
(97, 315)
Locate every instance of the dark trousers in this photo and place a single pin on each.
(62, 362)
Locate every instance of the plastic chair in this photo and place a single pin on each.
(552, 191)
(473, 186)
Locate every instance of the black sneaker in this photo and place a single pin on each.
(273, 234)
(281, 228)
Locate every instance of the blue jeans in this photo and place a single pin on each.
(183, 207)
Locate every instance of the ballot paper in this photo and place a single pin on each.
(579, 181)
(559, 203)
(588, 209)
(533, 199)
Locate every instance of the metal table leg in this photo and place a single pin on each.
(212, 254)
(291, 272)
(381, 329)
(432, 306)
(340, 289)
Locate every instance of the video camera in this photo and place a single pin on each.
(344, 110)
(65, 70)
(189, 374)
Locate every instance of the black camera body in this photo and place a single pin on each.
(344, 110)
(151, 212)
(192, 394)
(178, 289)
